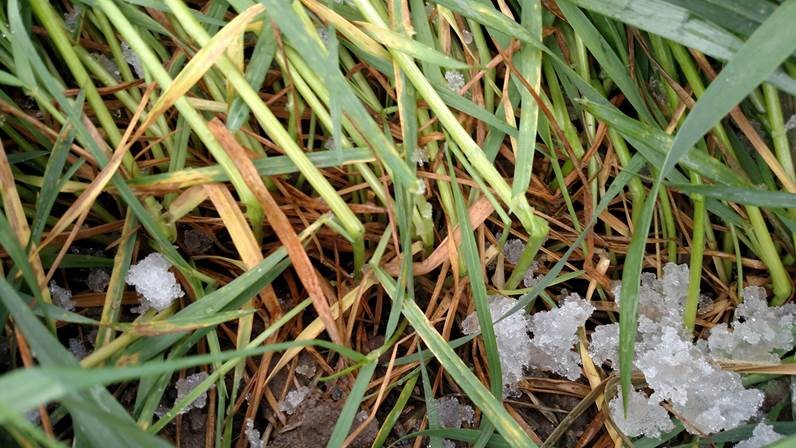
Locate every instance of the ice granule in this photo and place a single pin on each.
(513, 249)
(61, 297)
(511, 335)
(420, 156)
(185, 385)
(252, 435)
(762, 435)
(554, 334)
(77, 348)
(709, 399)
(98, 280)
(530, 279)
(293, 400)
(108, 65)
(71, 18)
(661, 300)
(306, 366)
(153, 281)
(791, 123)
(455, 80)
(762, 330)
(323, 33)
(452, 414)
(132, 58)
(447, 443)
(467, 37)
(645, 416)
(605, 344)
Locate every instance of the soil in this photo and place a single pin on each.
(313, 422)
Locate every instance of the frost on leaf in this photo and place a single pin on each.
(455, 80)
(61, 297)
(252, 435)
(511, 335)
(554, 334)
(756, 331)
(293, 399)
(452, 413)
(184, 387)
(108, 65)
(153, 281)
(762, 435)
(71, 18)
(645, 416)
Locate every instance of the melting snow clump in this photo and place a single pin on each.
(511, 335)
(681, 372)
(455, 80)
(512, 250)
(153, 281)
(645, 416)
(554, 334)
(61, 297)
(762, 435)
(98, 280)
(452, 414)
(762, 330)
(252, 435)
(604, 344)
(293, 400)
(185, 385)
(132, 58)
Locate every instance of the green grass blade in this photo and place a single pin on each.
(765, 50)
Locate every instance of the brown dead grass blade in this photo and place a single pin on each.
(281, 225)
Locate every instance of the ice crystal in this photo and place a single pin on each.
(554, 334)
(452, 414)
(676, 369)
(153, 281)
(184, 387)
(604, 344)
(512, 250)
(98, 280)
(529, 279)
(71, 18)
(293, 400)
(108, 65)
(306, 366)
(762, 330)
(511, 335)
(645, 416)
(77, 348)
(455, 80)
(61, 297)
(420, 156)
(252, 435)
(762, 435)
(791, 123)
(132, 58)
